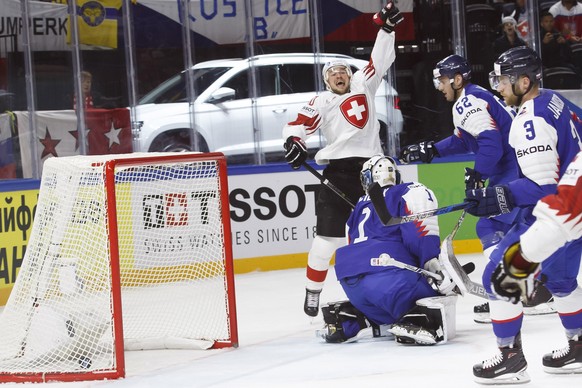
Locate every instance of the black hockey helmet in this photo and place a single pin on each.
(515, 62)
(451, 65)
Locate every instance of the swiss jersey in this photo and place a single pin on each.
(482, 122)
(567, 21)
(413, 243)
(558, 216)
(348, 121)
(545, 141)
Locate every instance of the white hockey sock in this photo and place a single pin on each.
(319, 257)
(568, 305)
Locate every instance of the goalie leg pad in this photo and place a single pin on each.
(431, 321)
(343, 321)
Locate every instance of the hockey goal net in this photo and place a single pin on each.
(130, 250)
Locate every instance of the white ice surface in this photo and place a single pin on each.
(278, 348)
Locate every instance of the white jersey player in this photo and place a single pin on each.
(346, 116)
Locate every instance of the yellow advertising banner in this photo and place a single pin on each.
(17, 210)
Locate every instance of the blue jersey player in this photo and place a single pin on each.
(545, 140)
(387, 295)
(481, 126)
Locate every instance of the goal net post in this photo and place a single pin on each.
(126, 252)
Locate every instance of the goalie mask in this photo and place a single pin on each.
(381, 169)
(335, 65)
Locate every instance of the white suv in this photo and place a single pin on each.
(223, 109)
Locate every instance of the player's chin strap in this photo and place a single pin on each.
(520, 96)
(458, 90)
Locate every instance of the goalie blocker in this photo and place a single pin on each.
(431, 321)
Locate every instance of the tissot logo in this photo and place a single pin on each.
(165, 210)
(175, 209)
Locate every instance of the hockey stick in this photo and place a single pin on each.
(458, 224)
(377, 198)
(327, 183)
(464, 284)
(385, 260)
(449, 261)
(429, 213)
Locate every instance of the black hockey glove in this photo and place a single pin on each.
(295, 151)
(473, 179)
(514, 278)
(388, 17)
(424, 151)
(489, 201)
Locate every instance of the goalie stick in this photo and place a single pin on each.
(327, 183)
(449, 260)
(454, 268)
(462, 280)
(377, 198)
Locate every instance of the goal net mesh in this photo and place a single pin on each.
(168, 233)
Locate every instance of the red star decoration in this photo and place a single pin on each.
(50, 145)
(75, 134)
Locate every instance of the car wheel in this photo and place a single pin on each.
(177, 141)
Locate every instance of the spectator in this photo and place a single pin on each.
(555, 50)
(518, 12)
(510, 37)
(93, 99)
(568, 19)
(86, 84)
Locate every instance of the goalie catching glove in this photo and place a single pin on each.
(388, 17)
(295, 151)
(445, 285)
(513, 279)
(424, 151)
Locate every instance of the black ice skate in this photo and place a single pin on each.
(565, 360)
(481, 313)
(311, 305)
(332, 334)
(542, 301)
(506, 367)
